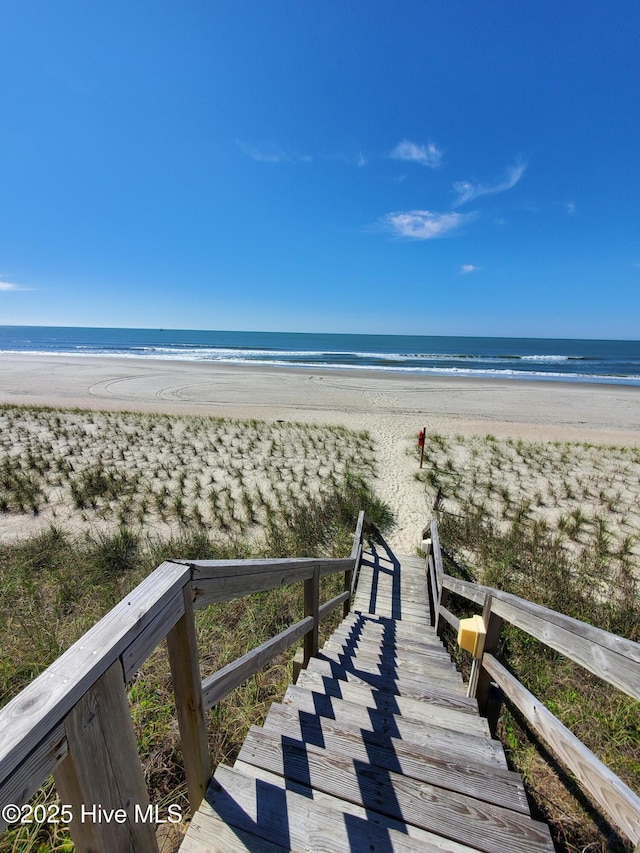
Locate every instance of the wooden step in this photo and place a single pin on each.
(475, 745)
(387, 792)
(298, 818)
(359, 635)
(365, 668)
(423, 762)
(405, 660)
(363, 694)
(334, 669)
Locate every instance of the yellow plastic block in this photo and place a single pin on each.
(471, 634)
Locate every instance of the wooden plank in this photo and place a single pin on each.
(229, 677)
(357, 536)
(300, 819)
(420, 839)
(329, 606)
(311, 604)
(207, 833)
(365, 635)
(217, 569)
(139, 650)
(38, 709)
(406, 677)
(604, 639)
(422, 762)
(456, 816)
(444, 715)
(406, 664)
(223, 580)
(366, 695)
(615, 668)
(437, 552)
(210, 590)
(25, 780)
(610, 792)
(448, 616)
(390, 653)
(392, 629)
(475, 746)
(102, 771)
(182, 646)
(332, 668)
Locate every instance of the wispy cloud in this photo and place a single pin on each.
(465, 269)
(426, 155)
(272, 154)
(467, 190)
(424, 224)
(570, 207)
(7, 285)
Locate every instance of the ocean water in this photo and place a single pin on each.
(616, 362)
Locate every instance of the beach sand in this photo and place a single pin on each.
(391, 407)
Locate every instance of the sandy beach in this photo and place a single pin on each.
(391, 407)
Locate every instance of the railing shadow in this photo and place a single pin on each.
(384, 566)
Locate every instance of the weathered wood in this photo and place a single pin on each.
(368, 696)
(404, 678)
(477, 592)
(33, 713)
(449, 813)
(300, 819)
(464, 744)
(619, 670)
(610, 792)
(423, 762)
(311, 610)
(329, 606)
(223, 580)
(433, 585)
(25, 780)
(493, 627)
(182, 646)
(102, 772)
(348, 580)
(229, 677)
(207, 832)
(357, 536)
(406, 662)
(236, 584)
(416, 690)
(448, 617)
(437, 553)
(139, 650)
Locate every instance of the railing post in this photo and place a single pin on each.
(311, 605)
(182, 646)
(102, 772)
(493, 627)
(443, 598)
(348, 579)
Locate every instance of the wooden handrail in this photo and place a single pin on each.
(49, 726)
(614, 659)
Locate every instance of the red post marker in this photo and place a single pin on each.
(421, 436)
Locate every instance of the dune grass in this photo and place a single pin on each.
(556, 524)
(299, 496)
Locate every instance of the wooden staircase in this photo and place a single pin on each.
(375, 748)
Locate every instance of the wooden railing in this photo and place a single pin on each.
(73, 721)
(612, 658)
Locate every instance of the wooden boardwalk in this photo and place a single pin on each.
(376, 748)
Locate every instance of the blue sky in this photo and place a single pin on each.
(365, 166)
